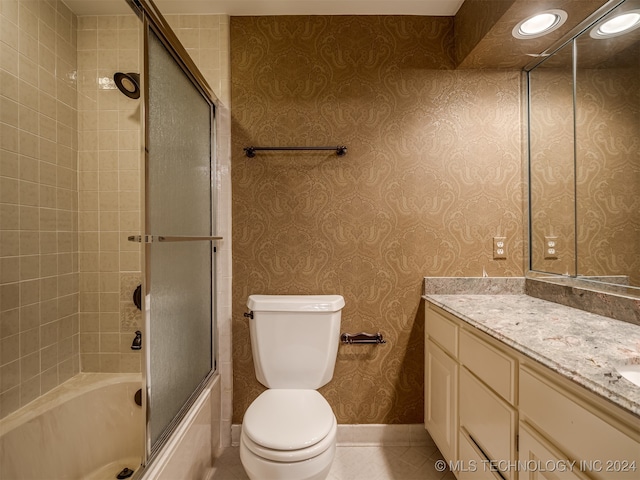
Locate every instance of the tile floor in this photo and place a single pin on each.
(358, 463)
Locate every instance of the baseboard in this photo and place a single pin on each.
(369, 435)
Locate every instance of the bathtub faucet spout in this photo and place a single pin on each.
(137, 341)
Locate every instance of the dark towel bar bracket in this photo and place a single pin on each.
(362, 338)
(251, 151)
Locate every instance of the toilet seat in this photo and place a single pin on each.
(289, 425)
(291, 456)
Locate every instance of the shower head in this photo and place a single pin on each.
(128, 83)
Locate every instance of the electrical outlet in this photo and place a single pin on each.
(551, 248)
(499, 248)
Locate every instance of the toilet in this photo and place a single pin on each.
(289, 431)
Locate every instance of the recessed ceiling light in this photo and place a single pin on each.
(618, 25)
(539, 24)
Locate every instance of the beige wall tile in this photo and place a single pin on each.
(10, 351)
(90, 362)
(109, 322)
(48, 311)
(109, 362)
(10, 243)
(48, 265)
(68, 221)
(109, 342)
(30, 390)
(109, 282)
(9, 296)
(9, 190)
(9, 269)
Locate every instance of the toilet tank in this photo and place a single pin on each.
(294, 339)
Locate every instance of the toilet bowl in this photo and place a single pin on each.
(289, 431)
(288, 435)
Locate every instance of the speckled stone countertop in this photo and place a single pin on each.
(582, 346)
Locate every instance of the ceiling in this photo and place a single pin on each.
(276, 7)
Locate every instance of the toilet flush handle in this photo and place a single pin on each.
(248, 315)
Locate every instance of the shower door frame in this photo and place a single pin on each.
(152, 20)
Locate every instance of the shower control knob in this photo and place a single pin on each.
(137, 297)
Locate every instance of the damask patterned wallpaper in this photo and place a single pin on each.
(553, 167)
(591, 206)
(608, 171)
(433, 172)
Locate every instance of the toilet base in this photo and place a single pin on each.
(316, 468)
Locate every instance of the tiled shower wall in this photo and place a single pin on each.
(39, 328)
(69, 171)
(109, 193)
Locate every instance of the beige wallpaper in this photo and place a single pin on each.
(432, 174)
(552, 168)
(38, 200)
(599, 193)
(608, 174)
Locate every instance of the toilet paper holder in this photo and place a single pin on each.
(362, 338)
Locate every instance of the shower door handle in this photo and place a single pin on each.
(169, 238)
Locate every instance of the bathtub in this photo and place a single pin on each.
(87, 428)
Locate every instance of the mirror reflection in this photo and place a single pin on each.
(585, 156)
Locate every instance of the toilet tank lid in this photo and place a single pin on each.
(295, 303)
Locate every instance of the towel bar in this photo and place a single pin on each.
(250, 152)
(362, 338)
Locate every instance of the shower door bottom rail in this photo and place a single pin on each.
(169, 238)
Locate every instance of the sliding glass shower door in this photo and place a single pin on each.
(179, 253)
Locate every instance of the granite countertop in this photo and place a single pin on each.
(581, 346)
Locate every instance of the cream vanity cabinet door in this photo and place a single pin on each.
(441, 386)
(541, 461)
(441, 382)
(602, 439)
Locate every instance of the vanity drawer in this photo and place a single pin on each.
(472, 464)
(441, 330)
(490, 365)
(534, 448)
(488, 420)
(578, 429)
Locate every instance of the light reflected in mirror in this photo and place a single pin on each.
(585, 186)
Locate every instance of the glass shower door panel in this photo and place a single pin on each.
(179, 273)
(180, 328)
(179, 145)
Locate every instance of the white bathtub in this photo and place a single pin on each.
(88, 428)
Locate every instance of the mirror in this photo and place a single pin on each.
(584, 157)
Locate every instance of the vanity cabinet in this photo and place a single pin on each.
(469, 391)
(603, 445)
(441, 382)
(495, 413)
(536, 448)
